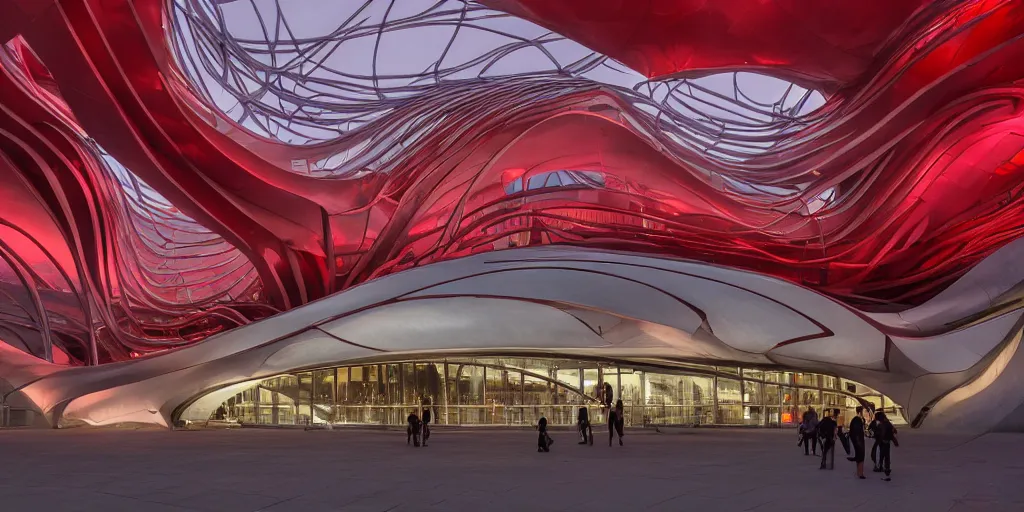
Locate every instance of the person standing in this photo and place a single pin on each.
(583, 425)
(413, 431)
(544, 441)
(426, 420)
(873, 430)
(616, 420)
(827, 432)
(886, 439)
(857, 441)
(809, 427)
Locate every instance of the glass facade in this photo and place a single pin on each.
(517, 391)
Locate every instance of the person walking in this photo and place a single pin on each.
(857, 442)
(873, 431)
(616, 420)
(413, 430)
(544, 441)
(827, 432)
(886, 440)
(583, 425)
(809, 427)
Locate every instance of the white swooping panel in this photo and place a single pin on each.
(463, 322)
(741, 319)
(961, 349)
(582, 288)
(855, 342)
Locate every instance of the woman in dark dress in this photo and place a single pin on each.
(616, 419)
(857, 441)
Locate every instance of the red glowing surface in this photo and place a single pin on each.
(918, 152)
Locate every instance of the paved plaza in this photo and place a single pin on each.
(374, 470)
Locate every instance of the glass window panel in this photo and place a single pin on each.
(323, 396)
(753, 374)
(497, 386)
(631, 389)
(752, 393)
(278, 399)
(729, 400)
(429, 377)
(570, 377)
(343, 385)
(537, 391)
(305, 399)
(471, 385)
(246, 407)
(678, 399)
(809, 398)
(391, 377)
(806, 379)
(408, 384)
(729, 391)
(790, 410)
(591, 382)
(363, 385)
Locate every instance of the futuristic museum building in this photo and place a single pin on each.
(325, 212)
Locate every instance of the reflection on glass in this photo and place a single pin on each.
(323, 396)
(729, 399)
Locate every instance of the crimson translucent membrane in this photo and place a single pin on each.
(174, 169)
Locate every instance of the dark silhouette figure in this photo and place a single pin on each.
(544, 441)
(827, 429)
(808, 427)
(886, 440)
(857, 441)
(609, 394)
(873, 431)
(583, 424)
(616, 420)
(413, 431)
(426, 420)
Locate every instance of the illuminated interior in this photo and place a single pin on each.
(517, 391)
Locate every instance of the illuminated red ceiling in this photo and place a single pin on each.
(908, 175)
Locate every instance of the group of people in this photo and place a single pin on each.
(813, 432)
(826, 431)
(616, 422)
(418, 430)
